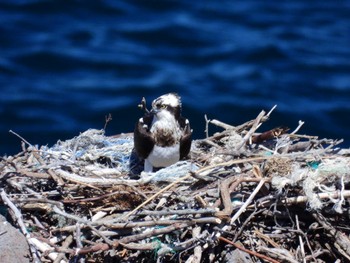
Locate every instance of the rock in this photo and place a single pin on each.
(13, 245)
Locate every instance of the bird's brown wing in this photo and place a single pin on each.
(186, 139)
(143, 140)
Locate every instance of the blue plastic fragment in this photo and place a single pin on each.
(313, 164)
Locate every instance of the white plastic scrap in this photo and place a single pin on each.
(171, 173)
(89, 147)
(328, 178)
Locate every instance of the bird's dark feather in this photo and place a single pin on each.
(186, 139)
(143, 140)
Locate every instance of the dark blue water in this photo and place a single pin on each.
(65, 65)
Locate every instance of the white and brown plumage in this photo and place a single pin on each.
(162, 136)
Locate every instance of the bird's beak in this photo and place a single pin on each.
(154, 111)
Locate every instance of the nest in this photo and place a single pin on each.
(241, 195)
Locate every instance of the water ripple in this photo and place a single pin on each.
(65, 65)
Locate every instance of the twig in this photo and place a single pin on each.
(225, 197)
(222, 124)
(37, 201)
(97, 198)
(94, 181)
(21, 224)
(24, 140)
(267, 116)
(272, 109)
(266, 238)
(267, 135)
(78, 235)
(108, 119)
(256, 254)
(247, 124)
(141, 246)
(251, 131)
(45, 248)
(197, 252)
(301, 243)
(249, 200)
(65, 245)
(280, 253)
(301, 123)
(206, 126)
(177, 212)
(163, 222)
(338, 205)
(33, 174)
(63, 213)
(154, 232)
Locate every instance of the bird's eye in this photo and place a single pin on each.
(161, 106)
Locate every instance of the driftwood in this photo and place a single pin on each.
(274, 196)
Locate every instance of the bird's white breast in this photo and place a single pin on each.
(164, 156)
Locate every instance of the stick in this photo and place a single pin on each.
(246, 203)
(222, 125)
(272, 109)
(163, 222)
(301, 123)
(302, 249)
(177, 212)
(225, 197)
(24, 140)
(303, 199)
(140, 246)
(206, 126)
(197, 252)
(154, 232)
(282, 254)
(65, 245)
(248, 251)
(251, 131)
(20, 222)
(45, 248)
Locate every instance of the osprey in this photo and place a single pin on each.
(162, 136)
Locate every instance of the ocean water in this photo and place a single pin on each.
(65, 65)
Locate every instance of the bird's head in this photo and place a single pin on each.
(167, 104)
